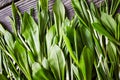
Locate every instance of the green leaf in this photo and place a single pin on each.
(84, 8)
(59, 14)
(9, 67)
(77, 7)
(40, 73)
(50, 37)
(99, 28)
(43, 17)
(2, 77)
(101, 75)
(76, 72)
(59, 10)
(35, 68)
(30, 32)
(109, 23)
(43, 4)
(1, 62)
(5, 64)
(114, 6)
(69, 47)
(118, 28)
(14, 20)
(86, 63)
(112, 55)
(9, 40)
(87, 37)
(57, 62)
(2, 30)
(69, 32)
(78, 43)
(22, 59)
(98, 47)
(45, 63)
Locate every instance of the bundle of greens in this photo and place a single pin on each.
(84, 48)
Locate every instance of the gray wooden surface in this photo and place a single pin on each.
(25, 5)
(22, 5)
(4, 3)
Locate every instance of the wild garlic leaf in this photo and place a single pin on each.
(56, 61)
(118, 27)
(78, 43)
(22, 61)
(69, 47)
(87, 37)
(3, 77)
(9, 40)
(38, 72)
(11, 67)
(2, 30)
(109, 23)
(14, 20)
(99, 28)
(112, 52)
(76, 72)
(86, 60)
(50, 36)
(30, 32)
(59, 15)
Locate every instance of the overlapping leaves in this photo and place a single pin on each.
(85, 48)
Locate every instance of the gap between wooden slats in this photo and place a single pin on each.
(26, 5)
(4, 3)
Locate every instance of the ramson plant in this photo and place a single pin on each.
(56, 48)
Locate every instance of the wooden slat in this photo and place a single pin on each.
(69, 9)
(25, 5)
(4, 3)
(22, 5)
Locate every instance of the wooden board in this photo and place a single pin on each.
(22, 5)
(25, 5)
(4, 3)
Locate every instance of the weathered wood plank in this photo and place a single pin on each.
(25, 5)
(22, 5)
(4, 3)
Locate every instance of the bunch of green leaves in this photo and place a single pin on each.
(103, 24)
(33, 51)
(55, 48)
